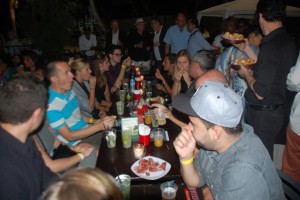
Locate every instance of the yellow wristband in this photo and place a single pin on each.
(124, 67)
(187, 162)
(81, 156)
(91, 120)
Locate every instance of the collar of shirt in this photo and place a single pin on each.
(272, 34)
(14, 143)
(181, 30)
(62, 96)
(158, 32)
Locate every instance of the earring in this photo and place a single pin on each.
(101, 68)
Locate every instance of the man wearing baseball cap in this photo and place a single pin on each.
(232, 162)
(139, 45)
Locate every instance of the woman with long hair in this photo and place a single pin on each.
(33, 64)
(100, 66)
(182, 80)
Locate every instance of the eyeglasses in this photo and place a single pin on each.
(118, 54)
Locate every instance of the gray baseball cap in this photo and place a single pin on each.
(214, 102)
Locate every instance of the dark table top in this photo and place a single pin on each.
(121, 159)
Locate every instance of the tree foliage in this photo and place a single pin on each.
(49, 23)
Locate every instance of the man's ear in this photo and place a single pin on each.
(216, 132)
(53, 79)
(36, 114)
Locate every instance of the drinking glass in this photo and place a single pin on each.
(120, 107)
(126, 138)
(111, 137)
(124, 182)
(122, 95)
(168, 190)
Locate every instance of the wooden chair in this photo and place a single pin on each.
(290, 186)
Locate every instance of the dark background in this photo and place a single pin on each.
(120, 9)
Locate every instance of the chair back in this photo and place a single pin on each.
(291, 187)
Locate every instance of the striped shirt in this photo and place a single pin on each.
(63, 109)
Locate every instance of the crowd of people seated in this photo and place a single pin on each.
(76, 95)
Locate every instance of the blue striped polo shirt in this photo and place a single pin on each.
(63, 109)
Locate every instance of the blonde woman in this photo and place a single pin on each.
(84, 86)
(100, 66)
(182, 80)
(91, 184)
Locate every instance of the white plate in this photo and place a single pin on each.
(153, 175)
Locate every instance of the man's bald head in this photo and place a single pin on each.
(211, 75)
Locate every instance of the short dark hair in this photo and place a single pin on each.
(51, 68)
(194, 21)
(272, 10)
(253, 29)
(20, 97)
(235, 130)
(112, 48)
(205, 58)
(171, 57)
(156, 19)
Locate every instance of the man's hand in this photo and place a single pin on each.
(107, 122)
(167, 112)
(127, 62)
(83, 148)
(185, 143)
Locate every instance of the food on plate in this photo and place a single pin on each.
(146, 166)
(233, 36)
(244, 61)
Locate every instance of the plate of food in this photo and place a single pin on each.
(150, 168)
(233, 38)
(245, 62)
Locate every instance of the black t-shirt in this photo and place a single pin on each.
(23, 172)
(277, 55)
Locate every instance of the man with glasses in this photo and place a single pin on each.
(116, 72)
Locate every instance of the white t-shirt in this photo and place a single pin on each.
(85, 44)
(156, 48)
(293, 84)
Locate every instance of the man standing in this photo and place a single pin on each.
(266, 91)
(177, 36)
(22, 169)
(88, 44)
(63, 112)
(158, 43)
(196, 41)
(139, 45)
(233, 163)
(116, 36)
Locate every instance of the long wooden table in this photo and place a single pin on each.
(119, 160)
